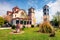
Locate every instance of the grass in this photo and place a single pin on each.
(29, 34)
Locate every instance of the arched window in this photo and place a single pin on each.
(30, 22)
(24, 22)
(21, 22)
(17, 21)
(27, 22)
(15, 15)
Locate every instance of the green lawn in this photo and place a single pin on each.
(29, 34)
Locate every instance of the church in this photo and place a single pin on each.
(20, 16)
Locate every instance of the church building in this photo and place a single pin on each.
(20, 16)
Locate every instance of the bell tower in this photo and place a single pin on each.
(31, 14)
(46, 13)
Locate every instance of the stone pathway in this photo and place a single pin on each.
(17, 33)
(5, 28)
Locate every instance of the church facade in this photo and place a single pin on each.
(20, 16)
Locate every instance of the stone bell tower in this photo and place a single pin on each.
(46, 13)
(31, 14)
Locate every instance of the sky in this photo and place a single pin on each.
(54, 6)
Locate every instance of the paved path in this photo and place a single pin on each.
(6, 28)
(21, 32)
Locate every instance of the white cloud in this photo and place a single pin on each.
(54, 7)
(4, 7)
(39, 15)
(32, 3)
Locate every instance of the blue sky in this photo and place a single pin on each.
(25, 4)
(54, 6)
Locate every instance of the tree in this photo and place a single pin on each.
(8, 18)
(56, 19)
(1, 21)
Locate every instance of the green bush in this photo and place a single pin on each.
(13, 27)
(23, 27)
(1, 21)
(32, 26)
(37, 25)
